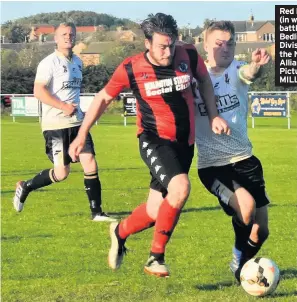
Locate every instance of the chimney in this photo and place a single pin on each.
(252, 19)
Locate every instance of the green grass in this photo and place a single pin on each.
(53, 252)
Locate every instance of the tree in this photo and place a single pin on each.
(189, 39)
(95, 78)
(196, 31)
(79, 18)
(207, 22)
(101, 36)
(16, 33)
(31, 55)
(19, 80)
(9, 59)
(120, 52)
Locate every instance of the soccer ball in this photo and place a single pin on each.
(259, 276)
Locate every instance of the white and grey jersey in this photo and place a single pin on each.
(63, 79)
(232, 103)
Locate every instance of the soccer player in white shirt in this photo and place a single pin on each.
(226, 166)
(57, 85)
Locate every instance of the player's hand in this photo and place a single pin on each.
(260, 56)
(219, 126)
(76, 147)
(69, 109)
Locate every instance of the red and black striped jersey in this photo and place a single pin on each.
(165, 102)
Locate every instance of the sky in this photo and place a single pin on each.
(189, 14)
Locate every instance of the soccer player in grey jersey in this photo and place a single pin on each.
(226, 165)
(57, 85)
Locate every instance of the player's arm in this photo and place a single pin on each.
(207, 94)
(43, 95)
(43, 77)
(218, 124)
(248, 73)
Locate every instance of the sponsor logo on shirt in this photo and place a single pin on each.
(224, 103)
(75, 83)
(164, 86)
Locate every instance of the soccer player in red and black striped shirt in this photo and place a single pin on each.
(160, 79)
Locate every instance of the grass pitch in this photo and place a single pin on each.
(53, 252)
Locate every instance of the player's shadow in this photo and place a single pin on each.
(33, 172)
(216, 286)
(288, 273)
(202, 209)
(7, 192)
(184, 211)
(279, 295)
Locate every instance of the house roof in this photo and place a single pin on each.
(245, 47)
(243, 26)
(44, 30)
(42, 25)
(85, 29)
(251, 46)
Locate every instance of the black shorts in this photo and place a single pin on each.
(57, 144)
(223, 181)
(165, 159)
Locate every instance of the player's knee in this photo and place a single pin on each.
(61, 174)
(88, 162)
(248, 219)
(180, 192)
(153, 210)
(183, 190)
(248, 212)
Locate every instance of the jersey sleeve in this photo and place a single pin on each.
(44, 73)
(118, 81)
(241, 66)
(198, 67)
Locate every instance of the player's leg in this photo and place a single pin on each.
(251, 244)
(249, 240)
(235, 200)
(242, 203)
(170, 168)
(168, 215)
(58, 155)
(259, 233)
(93, 187)
(92, 182)
(141, 218)
(249, 173)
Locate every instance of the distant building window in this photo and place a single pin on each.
(268, 37)
(239, 37)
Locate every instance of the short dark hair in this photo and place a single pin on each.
(220, 25)
(161, 24)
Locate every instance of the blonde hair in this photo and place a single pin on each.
(219, 25)
(66, 24)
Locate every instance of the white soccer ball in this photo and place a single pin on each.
(259, 277)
